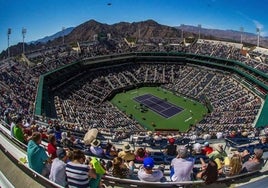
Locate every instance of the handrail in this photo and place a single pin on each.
(13, 151)
(138, 183)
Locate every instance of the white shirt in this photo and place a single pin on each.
(182, 169)
(57, 172)
(154, 177)
(219, 135)
(98, 151)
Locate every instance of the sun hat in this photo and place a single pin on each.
(95, 143)
(126, 147)
(90, 136)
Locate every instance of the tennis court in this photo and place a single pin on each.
(160, 106)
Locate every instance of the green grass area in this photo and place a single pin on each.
(193, 111)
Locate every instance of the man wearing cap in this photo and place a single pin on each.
(57, 172)
(255, 163)
(181, 167)
(126, 154)
(146, 173)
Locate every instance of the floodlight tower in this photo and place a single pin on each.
(241, 32)
(258, 35)
(63, 29)
(139, 32)
(199, 30)
(23, 32)
(8, 35)
(182, 30)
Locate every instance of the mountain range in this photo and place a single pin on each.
(143, 30)
(54, 36)
(229, 35)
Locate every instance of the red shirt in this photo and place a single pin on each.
(207, 150)
(51, 149)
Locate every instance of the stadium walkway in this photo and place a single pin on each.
(14, 174)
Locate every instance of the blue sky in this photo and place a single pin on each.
(45, 17)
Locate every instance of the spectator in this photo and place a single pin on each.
(12, 125)
(171, 148)
(209, 172)
(108, 167)
(234, 167)
(18, 131)
(141, 154)
(110, 150)
(207, 149)
(157, 139)
(43, 132)
(255, 163)
(219, 135)
(263, 143)
(197, 153)
(218, 153)
(66, 143)
(96, 149)
(57, 172)
(263, 140)
(51, 146)
(245, 155)
(181, 167)
(207, 136)
(197, 149)
(27, 123)
(146, 173)
(7, 117)
(78, 174)
(98, 166)
(126, 154)
(58, 132)
(36, 154)
(119, 169)
(233, 134)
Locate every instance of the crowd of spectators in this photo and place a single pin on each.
(92, 88)
(81, 105)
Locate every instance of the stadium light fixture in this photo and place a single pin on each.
(23, 32)
(199, 30)
(139, 32)
(182, 30)
(8, 36)
(258, 30)
(241, 32)
(63, 29)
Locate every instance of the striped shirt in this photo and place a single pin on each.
(77, 175)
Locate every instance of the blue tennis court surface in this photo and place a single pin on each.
(159, 106)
